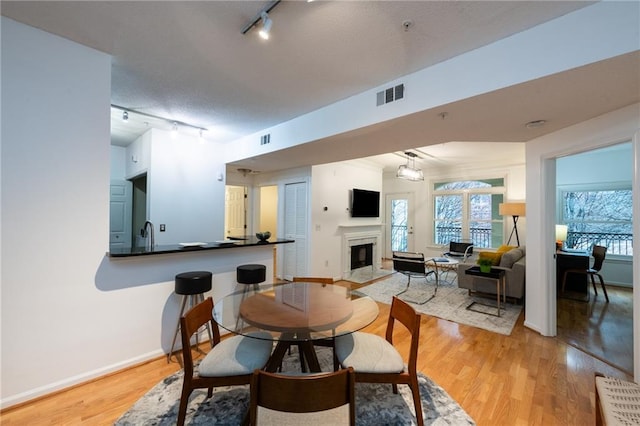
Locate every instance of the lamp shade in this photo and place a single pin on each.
(512, 209)
(561, 232)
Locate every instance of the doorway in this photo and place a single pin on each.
(399, 216)
(139, 209)
(594, 203)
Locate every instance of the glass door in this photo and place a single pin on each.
(399, 218)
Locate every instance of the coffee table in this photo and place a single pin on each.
(443, 267)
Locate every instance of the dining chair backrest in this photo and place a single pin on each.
(190, 323)
(598, 253)
(404, 313)
(303, 394)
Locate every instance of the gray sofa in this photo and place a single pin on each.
(513, 262)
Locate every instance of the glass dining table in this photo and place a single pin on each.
(298, 313)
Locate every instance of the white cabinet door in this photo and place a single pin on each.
(295, 228)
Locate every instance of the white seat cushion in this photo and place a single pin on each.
(237, 355)
(368, 353)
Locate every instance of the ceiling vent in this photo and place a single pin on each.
(265, 139)
(389, 95)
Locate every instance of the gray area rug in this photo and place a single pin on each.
(366, 274)
(375, 404)
(450, 302)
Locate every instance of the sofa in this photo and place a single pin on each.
(513, 262)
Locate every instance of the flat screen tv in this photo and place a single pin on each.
(365, 203)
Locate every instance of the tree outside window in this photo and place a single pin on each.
(468, 211)
(601, 217)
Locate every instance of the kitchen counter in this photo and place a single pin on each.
(188, 247)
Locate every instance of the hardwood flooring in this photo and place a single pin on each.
(604, 330)
(521, 379)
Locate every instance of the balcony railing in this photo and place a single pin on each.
(615, 243)
(480, 237)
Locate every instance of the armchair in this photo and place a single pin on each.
(414, 265)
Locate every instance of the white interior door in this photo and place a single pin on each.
(235, 211)
(399, 219)
(120, 213)
(295, 228)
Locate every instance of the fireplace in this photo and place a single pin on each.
(361, 256)
(361, 253)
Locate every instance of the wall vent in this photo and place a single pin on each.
(389, 95)
(265, 139)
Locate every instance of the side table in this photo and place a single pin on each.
(501, 281)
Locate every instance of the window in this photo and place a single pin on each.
(468, 211)
(602, 217)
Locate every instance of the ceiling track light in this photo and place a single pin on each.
(262, 16)
(409, 171)
(266, 26)
(173, 123)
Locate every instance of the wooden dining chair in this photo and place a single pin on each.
(375, 360)
(278, 399)
(229, 362)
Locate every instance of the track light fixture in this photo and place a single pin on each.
(409, 171)
(173, 123)
(262, 16)
(266, 26)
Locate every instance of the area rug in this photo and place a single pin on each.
(375, 404)
(450, 302)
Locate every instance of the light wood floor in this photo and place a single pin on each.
(521, 379)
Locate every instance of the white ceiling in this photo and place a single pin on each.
(188, 61)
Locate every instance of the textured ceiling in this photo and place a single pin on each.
(189, 61)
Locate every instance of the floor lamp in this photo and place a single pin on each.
(516, 210)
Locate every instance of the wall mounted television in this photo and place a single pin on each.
(365, 203)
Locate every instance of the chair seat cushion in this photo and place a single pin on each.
(368, 353)
(237, 355)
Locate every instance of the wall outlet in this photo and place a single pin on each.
(326, 263)
(163, 227)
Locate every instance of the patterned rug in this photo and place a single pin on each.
(450, 302)
(375, 404)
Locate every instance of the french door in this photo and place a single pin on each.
(399, 220)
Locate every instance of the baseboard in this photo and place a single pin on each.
(61, 385)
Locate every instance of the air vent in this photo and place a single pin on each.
(265, 139)
(389, 95)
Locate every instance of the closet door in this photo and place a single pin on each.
(295, 228)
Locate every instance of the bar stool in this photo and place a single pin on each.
(250, 274)
(192, 286)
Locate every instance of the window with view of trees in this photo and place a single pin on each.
(468, 211)
(601, 217)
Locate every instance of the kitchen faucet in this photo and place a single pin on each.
(147, 232)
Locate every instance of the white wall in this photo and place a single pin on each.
(69, 312)
(618, 126)
(184, 192)
(331, 185)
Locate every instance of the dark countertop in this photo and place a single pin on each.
(233, 242)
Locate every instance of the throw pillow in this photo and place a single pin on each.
(492, 256)
(510, 257)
